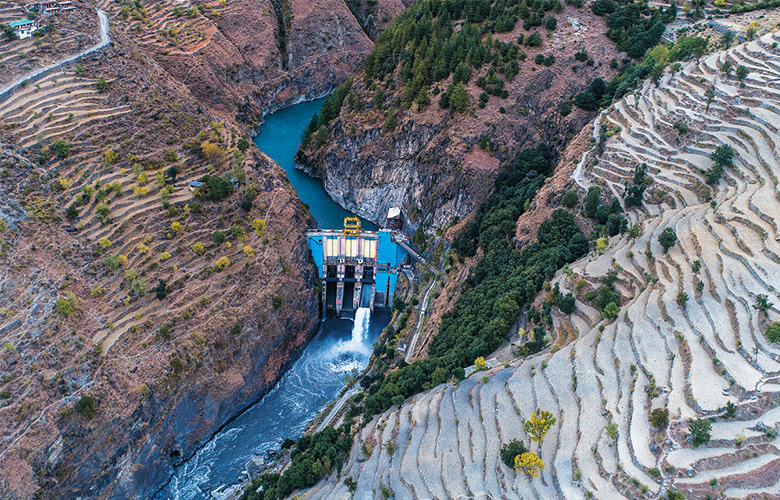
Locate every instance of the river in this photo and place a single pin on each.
(341, 348)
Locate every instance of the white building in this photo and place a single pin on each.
(24, 28)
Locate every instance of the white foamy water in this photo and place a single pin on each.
(342, 347)
(357, 342)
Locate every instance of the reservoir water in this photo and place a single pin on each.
(340, 348)
(279, 138)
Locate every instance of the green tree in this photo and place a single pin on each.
(391, 122)
(9, 32)
(101, 85)
(659, 418)
(763, 304)
(699, 430)
(567, 304)
(710, 93)
(62, 148)
(110, 157)
(727, 39)
(86, 407)
(511, 450)
(218, 237)
(570, 198)
(459, 99)
(726, 67)
(667, 238)
(611, 310)
(682, 299)
(592, 201)
(742, 73)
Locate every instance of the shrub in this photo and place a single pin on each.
(101, 85)
(276, 301)
(176, 227)
(480, 364)
(682, 299)
(248, 251)
(110, 157)
(97, 291)
(86, 407)
(64, 306)
(222, 263)
(259, 226)
(165, 256)
(104, 242)
(237, 232)
(198, 248)
(62, 148)
(659, 418)
(773, 332)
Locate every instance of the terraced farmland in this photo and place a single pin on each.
(56, 106)
(691, 359)
(172, 27)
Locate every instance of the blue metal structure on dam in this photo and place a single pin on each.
(358, 268)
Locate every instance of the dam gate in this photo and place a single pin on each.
(357, 268)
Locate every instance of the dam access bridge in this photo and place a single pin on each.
(358, 268)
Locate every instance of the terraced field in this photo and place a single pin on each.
(173, 27)
(690, 359)
(56, 106)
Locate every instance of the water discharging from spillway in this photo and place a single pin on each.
(341, 348)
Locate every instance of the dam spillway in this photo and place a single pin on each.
(357, 268)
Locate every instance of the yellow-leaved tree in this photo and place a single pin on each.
(529, 464)
(538, 425)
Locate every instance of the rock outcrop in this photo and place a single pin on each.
(432, 164)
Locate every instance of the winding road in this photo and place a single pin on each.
(105, 39)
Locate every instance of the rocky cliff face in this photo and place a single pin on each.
(432, 163)
(130, 331)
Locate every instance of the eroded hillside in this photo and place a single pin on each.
(141, 310)
(689, 336)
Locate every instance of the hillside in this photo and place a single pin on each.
(689, 335)
(514, 69)
(138, 313)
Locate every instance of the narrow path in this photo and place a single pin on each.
(105, 39)
(420, 321)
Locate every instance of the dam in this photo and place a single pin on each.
(358, 268)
